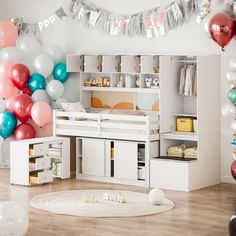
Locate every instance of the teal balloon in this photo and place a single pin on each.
(36, 81)
(60, 73)
(232, 96)
(8, 124)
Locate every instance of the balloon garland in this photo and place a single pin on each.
(26, 98)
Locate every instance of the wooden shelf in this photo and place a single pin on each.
(127, 90)
(185, 115)
(170, 158)
(187, 136)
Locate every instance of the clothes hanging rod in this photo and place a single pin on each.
(188, 61)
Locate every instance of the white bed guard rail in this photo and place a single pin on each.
(111, 126)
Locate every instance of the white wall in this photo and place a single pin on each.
(189, 39)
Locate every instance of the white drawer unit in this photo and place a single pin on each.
(33, 160)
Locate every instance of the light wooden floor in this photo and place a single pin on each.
(203, 213)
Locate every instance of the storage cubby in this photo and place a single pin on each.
(149, 64)
(130, 64)
(74, 63)
(39, 160)
(92, 63)
(111, 64)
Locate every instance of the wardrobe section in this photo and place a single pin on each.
(184, 154)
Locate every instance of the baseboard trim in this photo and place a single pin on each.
(228, 179)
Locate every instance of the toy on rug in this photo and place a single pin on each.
(156, 196)
(89, 198)
(114, 198)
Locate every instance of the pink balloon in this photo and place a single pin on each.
(5, 70)
(8, 34)
(7, 88)
(41, 113)
(45, 131)
(10, 100)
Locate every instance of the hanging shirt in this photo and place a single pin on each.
(195, 82)
(188, 81)
(182, 80)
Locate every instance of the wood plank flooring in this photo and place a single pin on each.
(203, 212)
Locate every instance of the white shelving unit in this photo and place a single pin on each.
(33, 160)
(163, 172)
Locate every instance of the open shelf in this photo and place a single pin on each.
(185, 115)
(188, 136)
(170, 158)
(116, 89)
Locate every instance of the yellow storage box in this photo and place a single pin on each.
(184, 124)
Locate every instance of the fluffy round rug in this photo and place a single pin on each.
(74, 203)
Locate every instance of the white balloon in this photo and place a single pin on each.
(10, 54)
(156, 197)
(55, 89)
(13, 219)
(233, 125)
(227, 110)
(57, 103)
(44, 65)
(29, 44)
(40, 95)
(56, 53)
(28, 60)
(232, 64)
(231, 77)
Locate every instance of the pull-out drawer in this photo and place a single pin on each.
(37, 149)
(40, 163)
(41, 177)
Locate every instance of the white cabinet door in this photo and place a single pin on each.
(126, 160)
(93, 157)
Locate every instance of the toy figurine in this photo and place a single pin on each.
(148, 81)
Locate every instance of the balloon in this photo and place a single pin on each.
(2, 105)
(8, 34)
(10, 100)
(232, 225)
(44, 65)
(55, 89)
(233, 125)
(56, 53)
(233, 169)
(13, 219)
(20, 75)
(36, 81)
(10, 54)
(45, 131)
(232, 95)
(28, 60)
(26, 90)
(21, 107)
(40, 95)
(57, 104)
(5, 69)
(231, 77)
(28, 44)
(156, 196)
(232, 64)
(222, 29)
(41, 113)
(8, 123)
(6, 88)
(228, 109)
(60, 73)
(24, 131)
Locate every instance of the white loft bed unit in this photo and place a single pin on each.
(106, 125)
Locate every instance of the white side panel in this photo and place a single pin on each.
(93, 157)
(66, 159)
(126, 158)
(108, 158)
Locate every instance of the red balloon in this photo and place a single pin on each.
(21, 107)
(26, 90)
(20, 75)
(233, 169)
(24, 131)
(222, 29)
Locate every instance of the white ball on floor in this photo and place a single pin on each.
(156, 196)
(13, 219)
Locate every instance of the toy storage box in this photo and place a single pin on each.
(184, 124)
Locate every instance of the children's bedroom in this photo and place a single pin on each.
(118, 117)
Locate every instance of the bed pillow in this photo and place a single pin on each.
(73, 107)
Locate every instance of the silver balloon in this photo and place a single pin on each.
(40, 95)
(55, 89)
(29, 44)
(232, 64)
(228, 110)
(57, 103)
(231, 77)
(44, 65)
(233, 125)
(28, 60)
(10, 54)
(13, 219)
(56, 53)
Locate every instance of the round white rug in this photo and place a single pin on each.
(73, 203)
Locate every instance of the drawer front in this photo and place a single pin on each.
(38, 149)
(45, 177)
(43, 163)
(154, 149)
